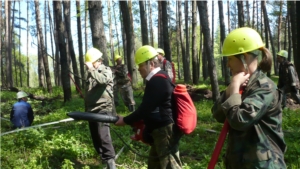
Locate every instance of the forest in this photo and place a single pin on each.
(43, 46)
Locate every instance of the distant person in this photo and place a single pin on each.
(99, 99)
(21, 114)
(251, 104)
(164, 63)
(123, 81)
(288, 80)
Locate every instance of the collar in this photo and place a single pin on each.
(153, 72)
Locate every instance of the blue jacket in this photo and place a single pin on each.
(21, 114)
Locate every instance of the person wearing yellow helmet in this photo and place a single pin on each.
(21, 114)
(165, 64)
(123, 83)
(288, 80)
(99, 99)
(251, 104)
(156, 111)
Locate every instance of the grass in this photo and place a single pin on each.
(68, 145)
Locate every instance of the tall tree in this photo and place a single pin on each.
(14, 43)
(8, 50)
(27, 46)
(297, 52)
(130, 41)
(160, 26)
(166, 39)
(178, 43)
(20, 65)
(279, 25)
(240, 13)
(1, 61)
(202, 6)
(150, 23)
(111, 40)
(225, 69)
(42, 47)
(267, 25)
(51, 40)
(186, 62)
(117, 32)
(144, 26)
(67, 8)
(81, 59)
(56, 64)
(97, 28)
(63, 51)
(182, 43)
(195, 61)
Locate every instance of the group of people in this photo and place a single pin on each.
(252, 104)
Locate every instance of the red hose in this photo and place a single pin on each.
(221, 140)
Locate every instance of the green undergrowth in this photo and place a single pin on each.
(68, 145)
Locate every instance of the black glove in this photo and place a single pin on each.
(294, 89)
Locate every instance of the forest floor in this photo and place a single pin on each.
(292, 104)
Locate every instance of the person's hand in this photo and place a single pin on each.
(238, 80)
(89, 65)
(120, 122)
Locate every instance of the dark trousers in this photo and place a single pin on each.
(100, 133)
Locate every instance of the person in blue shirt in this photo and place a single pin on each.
(21, 114)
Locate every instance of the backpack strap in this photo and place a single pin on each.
(164, 76)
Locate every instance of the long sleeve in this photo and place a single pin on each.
(292, 75)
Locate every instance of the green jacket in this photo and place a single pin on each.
(255, 136)
(99, 91)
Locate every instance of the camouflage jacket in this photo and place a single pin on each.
(255, 119)
(287, 77)
(121, 73)
(167, 67)
(99, 89)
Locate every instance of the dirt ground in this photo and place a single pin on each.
(291, 104)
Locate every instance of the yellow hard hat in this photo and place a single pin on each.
(283, 53)
(161, 51)
(93, 55)
(117, 57)
(144, 53)
(241, 40)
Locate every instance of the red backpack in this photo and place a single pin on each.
(185, 111)
(173, 69)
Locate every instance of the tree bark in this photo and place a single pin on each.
(222, 38)
(182, 42)
(97, 28)
(81, 59)
(150, 23)
(240, 13)
(67, 8)
(41, 45)
(63, 51)
(207, 44)
(144, 26)
(195, 61)
(296, 52)
(130, 41)
(166, 39)
(187, 74)
(178, 40)
(116, 25)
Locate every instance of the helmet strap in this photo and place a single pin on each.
(242, 58)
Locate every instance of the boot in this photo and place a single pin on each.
(111, 164)
(131, 108)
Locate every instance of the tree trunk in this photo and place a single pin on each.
(150, 24)
(1, 61)
(270, 35)
(67, 8)
(289, 35)
(292, 8)
(178, 40)
(296, 52)
(14, 44)
(20, 67)
(240, 13)
(116, 25)
(56, 64)
(130, 41)
(86, 18)
(207, 44)
(222, 38)
(187, 74)
(204, 52)
(111, 40)
(253, 15)
(51, 39)
(63, 53)
(182, 43)
(81, 59)
(160, 26)
(41, 45)
(166, 39)
(97, 28)
(279, 27)
(195, 61)
(248, 13)
(228, 21)
(144, 26)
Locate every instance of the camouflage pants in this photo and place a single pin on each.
(165, 148)
(127, 95)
